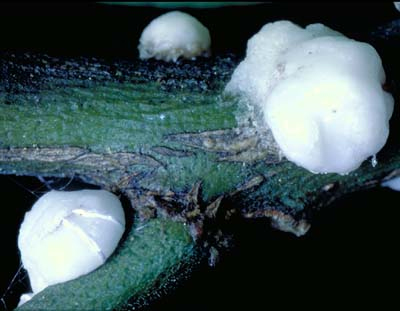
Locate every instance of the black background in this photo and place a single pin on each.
(348, 259)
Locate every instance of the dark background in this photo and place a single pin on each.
(104, 30)
(348, 259)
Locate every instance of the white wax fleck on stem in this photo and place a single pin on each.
(393, 184)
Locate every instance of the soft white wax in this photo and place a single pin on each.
(173, 35)
(320, 94)
(69, 234)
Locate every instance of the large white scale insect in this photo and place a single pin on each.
(68, 234)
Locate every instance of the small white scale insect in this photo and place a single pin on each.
(68, 234)
(173, 35)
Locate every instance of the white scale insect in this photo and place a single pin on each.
(68, 234)
(173, 35)
(320, 93)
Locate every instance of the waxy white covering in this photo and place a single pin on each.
(173, 35)
(320, 93)
(69, 234)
